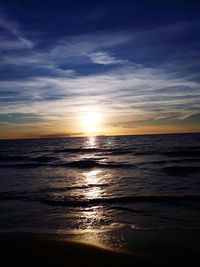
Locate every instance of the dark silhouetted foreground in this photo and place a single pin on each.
(39, 250)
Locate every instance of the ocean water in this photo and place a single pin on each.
(101, 190)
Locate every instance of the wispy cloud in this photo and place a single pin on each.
(134, 77)
(58, 58)
(129, 91)
(13, 28)
(105, 58)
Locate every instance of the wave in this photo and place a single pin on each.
(79, 164)
(169, 161)
(36, 160)
(181, 170)
(78, 150)
(113, 200)
(96, 163)
(190, 152)
(67, 188)
(27, 158)
(80, 202)
(22, 165)
(44, 159)
(12, 158)
(109, 151)
(182, 153)
(84, 164)
(119, 152)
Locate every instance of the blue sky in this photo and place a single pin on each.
(135, 62)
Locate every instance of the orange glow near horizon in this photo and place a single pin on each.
(91, 123)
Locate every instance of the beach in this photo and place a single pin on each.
(19, 249)
(37, 250)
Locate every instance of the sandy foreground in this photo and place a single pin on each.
(40, 250)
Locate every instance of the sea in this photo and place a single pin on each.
(101, 190)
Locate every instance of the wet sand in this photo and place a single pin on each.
(46, 250)
(40, 250)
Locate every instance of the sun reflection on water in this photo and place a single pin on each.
(91, 179)
(90, 142)
(91, 228)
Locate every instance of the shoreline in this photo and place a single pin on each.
(24, 249)
(28, 249)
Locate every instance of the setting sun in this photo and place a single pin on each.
(91, 122)
(99, 133)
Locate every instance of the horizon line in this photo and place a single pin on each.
(90, 136)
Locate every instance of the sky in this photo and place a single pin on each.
(76, 68)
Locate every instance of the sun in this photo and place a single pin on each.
(91, 122)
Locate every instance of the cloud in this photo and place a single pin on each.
(63, 58)
(20, 118)
(84, 44)
(132, 78)
(104, 58)
(60, 135)
(134, 91)
(13, 28)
